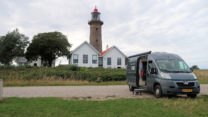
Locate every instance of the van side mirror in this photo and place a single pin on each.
(153, 71)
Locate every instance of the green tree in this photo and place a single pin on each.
(194, 67)
(12, 45)
(48, 46)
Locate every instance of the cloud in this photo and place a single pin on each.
(177, 26)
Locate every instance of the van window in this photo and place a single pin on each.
(150, 65)
(182, 65)
(132, 67)
(172, 65)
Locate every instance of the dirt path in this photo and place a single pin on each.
(94, 92)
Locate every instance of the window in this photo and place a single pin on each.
(85, 58)
(172, 65)
(35, 65)
(150, 65)
(94, 59)
(132, 67)
(118, 61)
(95, 16)
(108, 61)
(75, 58)
(182, 65)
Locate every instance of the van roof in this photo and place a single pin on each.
(164, 55)
(158, 55)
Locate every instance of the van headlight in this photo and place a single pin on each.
(194, 76)
(165, 75)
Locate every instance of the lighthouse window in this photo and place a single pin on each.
(96, 29)
(95, 16)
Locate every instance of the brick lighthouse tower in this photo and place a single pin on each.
(96, 30)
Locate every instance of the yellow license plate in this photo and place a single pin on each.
(187, 90)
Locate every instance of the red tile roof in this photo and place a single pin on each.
(101, 54)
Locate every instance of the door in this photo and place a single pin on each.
(150, 76)
(100, 61)
(141, 72)
(131, 74)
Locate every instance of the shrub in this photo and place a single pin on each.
(71, 72)
(74, 68)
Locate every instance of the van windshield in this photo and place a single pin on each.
(173, 65)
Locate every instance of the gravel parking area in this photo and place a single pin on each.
(94, 92)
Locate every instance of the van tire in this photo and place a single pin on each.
(158, 91)
(131, 88)
(191, 95)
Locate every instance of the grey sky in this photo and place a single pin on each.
(134, 26)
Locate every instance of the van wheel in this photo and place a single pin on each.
(158, 91)
(131, 88)
(191, 95)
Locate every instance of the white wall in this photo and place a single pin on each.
(84, 50)
(38, 62)
(113, 54)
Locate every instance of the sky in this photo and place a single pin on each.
(134, 26)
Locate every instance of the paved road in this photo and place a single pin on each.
(95, 92)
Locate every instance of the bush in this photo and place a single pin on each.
(74, 68)
(71, 72)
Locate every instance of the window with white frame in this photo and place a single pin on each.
(118, 61)
(94, 59)
(75, 58)
(85, 58)
(108, 61)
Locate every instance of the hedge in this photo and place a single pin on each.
(62, 72)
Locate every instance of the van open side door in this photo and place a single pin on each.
(131, 74)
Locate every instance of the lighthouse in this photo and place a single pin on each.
(96, 30)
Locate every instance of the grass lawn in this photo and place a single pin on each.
(202, 76)
(203, 82)
(58, 107)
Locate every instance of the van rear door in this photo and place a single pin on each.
(131, 74)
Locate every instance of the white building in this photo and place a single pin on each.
(84, 55)
(113, 58)
(23, 61)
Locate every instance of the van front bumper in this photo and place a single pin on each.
(180, 87)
